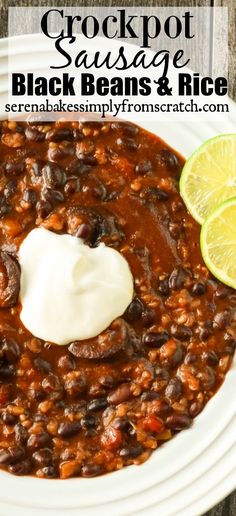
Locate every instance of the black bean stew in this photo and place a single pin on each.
(99, 405)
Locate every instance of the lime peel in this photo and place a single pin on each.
(222, 262)
(209, 176)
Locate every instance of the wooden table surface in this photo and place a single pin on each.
(228, 506)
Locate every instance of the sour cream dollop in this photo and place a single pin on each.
(68, 290)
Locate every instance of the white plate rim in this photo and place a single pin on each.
(82, 487)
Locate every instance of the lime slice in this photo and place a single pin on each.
(209, 176)
(218, 242)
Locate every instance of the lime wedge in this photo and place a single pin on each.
(209, 176)
(218, 242)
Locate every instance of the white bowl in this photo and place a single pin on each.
(187, 475)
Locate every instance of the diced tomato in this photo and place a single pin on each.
(153, 424)
(111, 438)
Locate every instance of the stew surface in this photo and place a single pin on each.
(98, 405)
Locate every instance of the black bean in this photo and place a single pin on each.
(205, 331)
(161, 373)
(174, 389)
(100, 191)
(53, 175)
(21, 434)
(177, 357)
(160, 194)
(155, 339)
(60, 404)
(134, 310)
(207, 378)
(169, 159)
(210, 357)
(181, 332)
(14, 168)
(127, 143)
(143, 167)
(36, 394)
(198, 289)
(41, 418)
(4, 206)
(9, 419)
(21, 468)
(43, 209)
(83, 231)
(148, 316)
(38, 440)
(178, 422)
(49, 472)
(59, 134)
(36, 169)
(78, 167)
(30, 197)
(33, 135)
(130, 452)
(190, 358)
(150, 395)
(51, 385)
(97, 404)
(6, 371)
(5, 456)
(221, 320)
(74, 408)
(11, 455)
(77, 135)
(122, 393)
(67, 429)
(76, 385)
(88, 421)
(91, 432)
(231, 347)
(195, 408)
(10, 350)
(60, 151)
(121, 423)
(72, 185)
(176, 279)
(42, 365)
(87, 159)
(53, 197)
(91, 470)
(104, 225)
(153, 193)
(163, 287)
(10, 188)
(230, 350)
